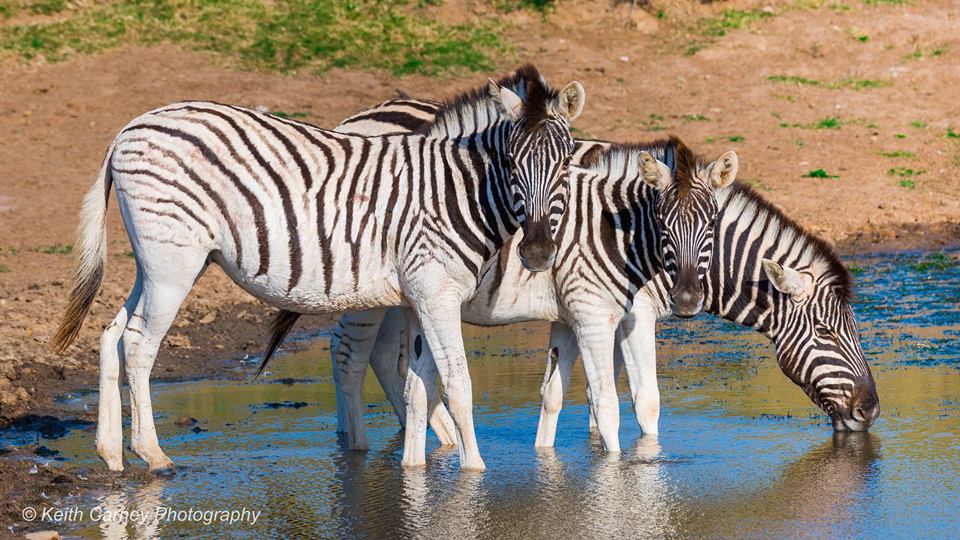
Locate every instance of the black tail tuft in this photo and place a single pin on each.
(279, 329)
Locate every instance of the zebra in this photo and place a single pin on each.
(774, 277)
(311, 220)
(609, 246)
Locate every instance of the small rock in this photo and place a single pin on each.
(179, 341)
(43, 451)
(208, 318)
(43, 535)
(184, 421)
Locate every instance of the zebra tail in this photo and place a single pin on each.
(92, 257)
(279, 329)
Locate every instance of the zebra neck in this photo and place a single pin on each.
(750, 229)
(481, 170)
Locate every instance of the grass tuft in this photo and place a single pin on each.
(56, 249)
(899, 154)
(904, 172)
(711, 28)
(844, 84)
(820, 173)
(935, 261)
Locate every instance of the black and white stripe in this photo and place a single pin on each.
(815, 335)
(608, 247)
(312, 220)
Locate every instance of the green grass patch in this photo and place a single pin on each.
(844, 84)
(830, 122)
(863, 38)
(885, 2)
(712, 28)
(898, 154)
(295, 114)
(653, 123)
(906, 183)
(4, 269)
(900, 135)
(904, 172)
(735, 138)
(931, 52)
(284, 35)
(855, 270)
(951, 134)
(732, 19)
(820, 173)
(695, 118)
(838, 7)
(56, 249)
(543, 6)
(935, 261)
(919, 124)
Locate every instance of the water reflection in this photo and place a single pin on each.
(816, 496)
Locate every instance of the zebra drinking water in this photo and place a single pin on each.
(312, 220)
(774, 277)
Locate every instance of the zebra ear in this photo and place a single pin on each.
(572, 99)
(788, 281)
(723, 171)
(507, 102)
(655, 174)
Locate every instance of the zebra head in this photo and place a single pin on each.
(539, 147)
(687, 211)
(818, 344)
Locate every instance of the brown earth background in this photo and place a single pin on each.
(57, 119)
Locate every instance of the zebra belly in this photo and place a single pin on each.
(313, 295)
(519, 296)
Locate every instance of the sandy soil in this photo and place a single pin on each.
(57, 120)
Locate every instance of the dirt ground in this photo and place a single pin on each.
(57, 120)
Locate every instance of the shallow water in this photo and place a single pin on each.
(741, 452)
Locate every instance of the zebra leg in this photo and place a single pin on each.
(639, 350)
(561, 356)
(420, 396)
(359, 332)
(109, 413)
(596, 348)
(440, 322)
(337, 383)
(163, 293)
(617, 369)
(385, 361)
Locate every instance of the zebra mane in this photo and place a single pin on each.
(815, 251)
(684, 162)
(474, 111)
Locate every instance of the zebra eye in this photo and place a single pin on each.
(823, 332)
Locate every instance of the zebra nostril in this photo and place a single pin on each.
(859, 415)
